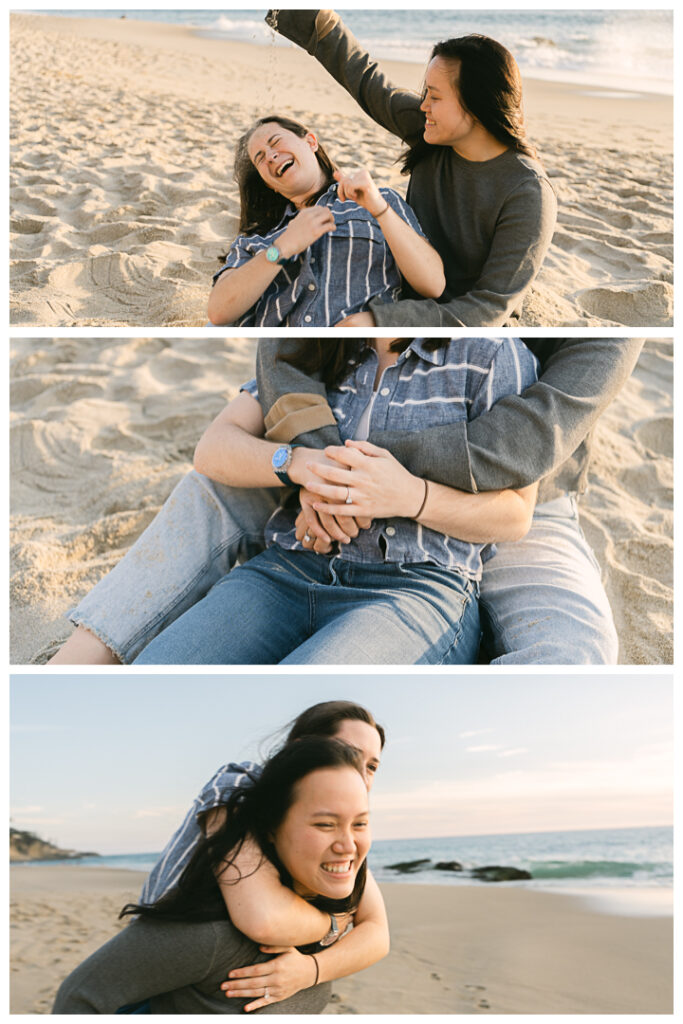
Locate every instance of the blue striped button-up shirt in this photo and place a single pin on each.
(422, 389)
(180, 847)
(336, 276)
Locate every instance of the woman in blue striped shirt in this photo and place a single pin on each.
(405, 590)
(315, 245)
(308, 814)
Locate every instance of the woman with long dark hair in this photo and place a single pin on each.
(481, 195)
(404, 589)
(307, 812)
(315, 245)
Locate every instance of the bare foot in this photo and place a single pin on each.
(84, 648)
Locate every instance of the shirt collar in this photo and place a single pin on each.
(437, 357)
(326, 198)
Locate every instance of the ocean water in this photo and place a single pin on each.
(626, 864)
(624, 50)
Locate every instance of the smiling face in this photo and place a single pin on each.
(365, 739)
(447, 121)
(325, 835)
(286, 162)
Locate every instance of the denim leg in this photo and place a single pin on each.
(542, 598)
(256, 615)
(202, 529)
(393, 615)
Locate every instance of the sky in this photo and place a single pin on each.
(111, 763)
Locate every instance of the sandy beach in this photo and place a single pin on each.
(101, 431)
(122, 140)
(454, 950)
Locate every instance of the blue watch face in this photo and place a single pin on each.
(280, 457)
(272, 254)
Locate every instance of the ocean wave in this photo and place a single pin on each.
(596, 869)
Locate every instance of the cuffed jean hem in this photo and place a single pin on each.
(200, 532)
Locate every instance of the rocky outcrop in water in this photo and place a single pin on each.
(496, 873)
(490, 873)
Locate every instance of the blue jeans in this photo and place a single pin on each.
(299, 608)
(542, 599)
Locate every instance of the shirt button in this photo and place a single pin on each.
(308, 319)
(391, 531)
(311, 287)
(384, 391)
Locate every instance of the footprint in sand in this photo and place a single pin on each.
(657, 436)
(635, 305)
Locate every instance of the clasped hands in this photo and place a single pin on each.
(376, 485)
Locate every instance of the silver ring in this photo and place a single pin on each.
(307, 538)
(265, 994)
(349, 499)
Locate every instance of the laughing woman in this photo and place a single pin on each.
(315, 245)
(308, 813)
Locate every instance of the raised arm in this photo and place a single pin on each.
(418, 261)
(323, 34)
(524, 230)
(521, 439)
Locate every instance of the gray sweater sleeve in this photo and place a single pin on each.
(523, 233)
(324, 35)
(521, 439)
(143, 960)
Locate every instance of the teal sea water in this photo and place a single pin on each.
(597, 861)
(619, 49)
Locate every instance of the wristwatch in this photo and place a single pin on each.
(273, 254)
(280, 461)
(333, 933)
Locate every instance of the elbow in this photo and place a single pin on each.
(215, 315)
(200, 461)
(520, 524)
(434, 287)
(258, 927)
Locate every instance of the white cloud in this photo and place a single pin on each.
(515, 752)
(483, 748)
(473, 732)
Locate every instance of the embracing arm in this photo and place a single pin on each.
(521, 439)
(523, 233)
(326, 38)
(365, 944)
(259, 905)
(232, 449)
(290, 971)
(383, 489)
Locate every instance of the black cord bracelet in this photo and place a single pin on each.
(317, 969)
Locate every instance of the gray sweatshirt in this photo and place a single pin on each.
(491, 221)
(544, 434)
(178, 967)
